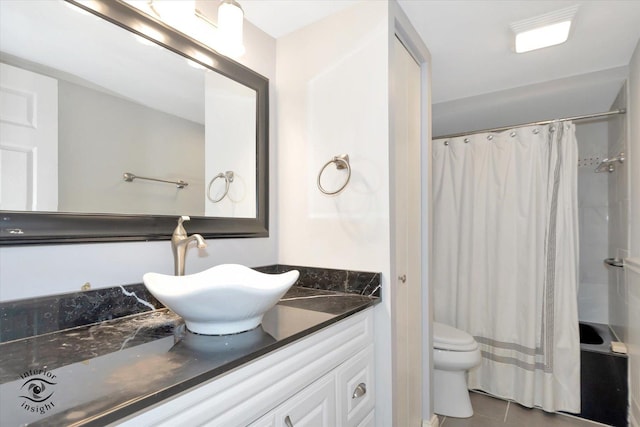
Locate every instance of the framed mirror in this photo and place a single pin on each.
(114, 124)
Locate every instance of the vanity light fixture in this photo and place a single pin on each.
(545, 30)
(230, 28)
(225, 35)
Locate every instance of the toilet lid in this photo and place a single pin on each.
(447, 337)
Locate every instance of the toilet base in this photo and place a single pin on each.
(450, 394)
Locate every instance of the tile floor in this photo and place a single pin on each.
(492, 412)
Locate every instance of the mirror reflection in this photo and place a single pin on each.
(85, 102)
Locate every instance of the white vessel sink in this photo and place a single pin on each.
(225, 299)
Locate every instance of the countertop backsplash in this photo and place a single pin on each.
(347, 281)
(36, 316)
(42, 315)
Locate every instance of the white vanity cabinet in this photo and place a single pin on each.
(355, 389)
(315, 406)
(324, 379)
(343, 397)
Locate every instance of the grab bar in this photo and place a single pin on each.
(614, 262)
(129, 177)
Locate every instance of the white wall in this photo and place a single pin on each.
(29, 271)
(632, 335)
(230, 147)
(333, 97)
(93, 155)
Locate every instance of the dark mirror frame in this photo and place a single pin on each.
(23, 228)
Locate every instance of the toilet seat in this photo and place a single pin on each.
(448, 338)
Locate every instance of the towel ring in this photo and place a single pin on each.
(228, 179)
(342, 162)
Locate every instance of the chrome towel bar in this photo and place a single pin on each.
(129, 177)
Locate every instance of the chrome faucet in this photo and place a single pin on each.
(179, 244)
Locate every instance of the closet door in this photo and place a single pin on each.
(406, 249)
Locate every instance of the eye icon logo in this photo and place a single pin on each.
(37, 391)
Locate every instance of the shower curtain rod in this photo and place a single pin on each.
(546, 122)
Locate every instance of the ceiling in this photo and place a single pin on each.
(470, 42)
(281, 17)
(472, 56)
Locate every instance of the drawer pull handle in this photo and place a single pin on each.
(360, 391)
(287, 421)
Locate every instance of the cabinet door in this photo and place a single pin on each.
(266, 421)
(369, 420)
(315, 406)
(356, 388)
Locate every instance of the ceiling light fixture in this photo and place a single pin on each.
(545, 30)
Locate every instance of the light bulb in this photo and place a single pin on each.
(230, 23)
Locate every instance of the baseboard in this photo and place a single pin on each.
(433, 422)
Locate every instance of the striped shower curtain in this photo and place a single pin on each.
(506, 259)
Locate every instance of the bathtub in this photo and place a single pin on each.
(603, 377)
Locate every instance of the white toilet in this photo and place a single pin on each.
(454, 352)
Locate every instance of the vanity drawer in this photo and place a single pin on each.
(314, 406)
(356, 388)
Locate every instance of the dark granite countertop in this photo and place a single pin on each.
(99, 373)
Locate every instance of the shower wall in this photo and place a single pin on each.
(593, 208)
(603, 205)
(618, 184)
